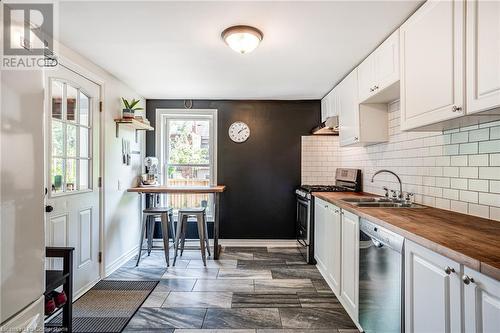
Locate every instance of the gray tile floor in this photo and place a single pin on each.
(249, 290)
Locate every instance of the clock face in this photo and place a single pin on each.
(239, 132)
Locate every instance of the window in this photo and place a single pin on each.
(70, 127)
(188, 146)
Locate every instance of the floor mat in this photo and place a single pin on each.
(108, 306)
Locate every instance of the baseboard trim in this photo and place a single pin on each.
(259, 242)
(109, 269)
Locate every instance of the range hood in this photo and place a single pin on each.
(329, 127)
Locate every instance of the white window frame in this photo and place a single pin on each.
(66, 122)
(196, 114)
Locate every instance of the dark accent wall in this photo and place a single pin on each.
(260, 174)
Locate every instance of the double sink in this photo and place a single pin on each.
(371, 202)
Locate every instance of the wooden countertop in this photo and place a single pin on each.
(169, 189)
(469, 240)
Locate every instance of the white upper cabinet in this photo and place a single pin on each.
(329, 105)
(349, 109)
(432, 291)
(432, 64)
(379, 74)
(483, 55)
(481, 302)
(359, 124)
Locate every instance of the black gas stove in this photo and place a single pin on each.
(346, 180)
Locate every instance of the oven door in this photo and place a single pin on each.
(303, 221)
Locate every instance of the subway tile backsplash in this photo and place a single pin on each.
(456, 170)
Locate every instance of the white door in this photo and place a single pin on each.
(483, 55)
(481, 303)
(72, 155)
(334, 241)
(432, 64)
(350, 263)
(432, 291)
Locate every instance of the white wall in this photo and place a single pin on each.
(457, 170)
(121, 209)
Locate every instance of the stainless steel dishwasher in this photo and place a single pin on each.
(380, 279)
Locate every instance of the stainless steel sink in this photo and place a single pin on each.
(366, 199)
(387, 205)
(380, 202)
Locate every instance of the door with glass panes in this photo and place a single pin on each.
(72, 157)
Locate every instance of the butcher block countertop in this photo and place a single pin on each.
(469, 240)
(173, 190)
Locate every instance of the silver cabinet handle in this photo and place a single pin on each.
(456, 108)
(372, 90)
(375, 88)
(467, 279)
(356, 138)
(448, 270)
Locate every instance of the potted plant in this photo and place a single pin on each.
(130, 107)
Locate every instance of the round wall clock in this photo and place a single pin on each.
(239, 132)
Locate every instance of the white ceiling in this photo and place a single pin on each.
(174, 49)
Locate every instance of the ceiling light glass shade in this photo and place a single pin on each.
(242, 38)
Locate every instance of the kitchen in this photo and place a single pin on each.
(290, 186)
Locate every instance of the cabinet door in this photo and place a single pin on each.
(483, 55)
(432, 64)
(350, 263)
(386, 63)
(319, 232)
(334, 241)
(366, 78)
(481, 303)
(432, 291)
(349, 109)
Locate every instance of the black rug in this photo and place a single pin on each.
(107, 307)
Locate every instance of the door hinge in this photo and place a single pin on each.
(99, 182)
(100, 106)
(100, 257)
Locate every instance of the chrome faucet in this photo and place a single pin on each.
(397, 177)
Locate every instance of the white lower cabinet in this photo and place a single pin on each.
(350, 263)
(327, 245)
(481, 302)
(432, 291)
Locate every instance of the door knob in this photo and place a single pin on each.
(448, 270)
(467, 279)
(49, 208)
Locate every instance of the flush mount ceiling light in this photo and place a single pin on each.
(242, 38)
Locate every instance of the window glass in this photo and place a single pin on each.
(189, 142)
(56, 174)
(70, 175)
(71, 140)
(57, 95)
(71, 94)
(71, 160)
(84, 109)
(84, 175)
(57, 138)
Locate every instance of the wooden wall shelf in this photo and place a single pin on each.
(132, 123)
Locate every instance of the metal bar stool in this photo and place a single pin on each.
(148, 218)
(201, 221)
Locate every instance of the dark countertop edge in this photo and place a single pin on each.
(483, 267)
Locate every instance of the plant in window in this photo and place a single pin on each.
(130, 107)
